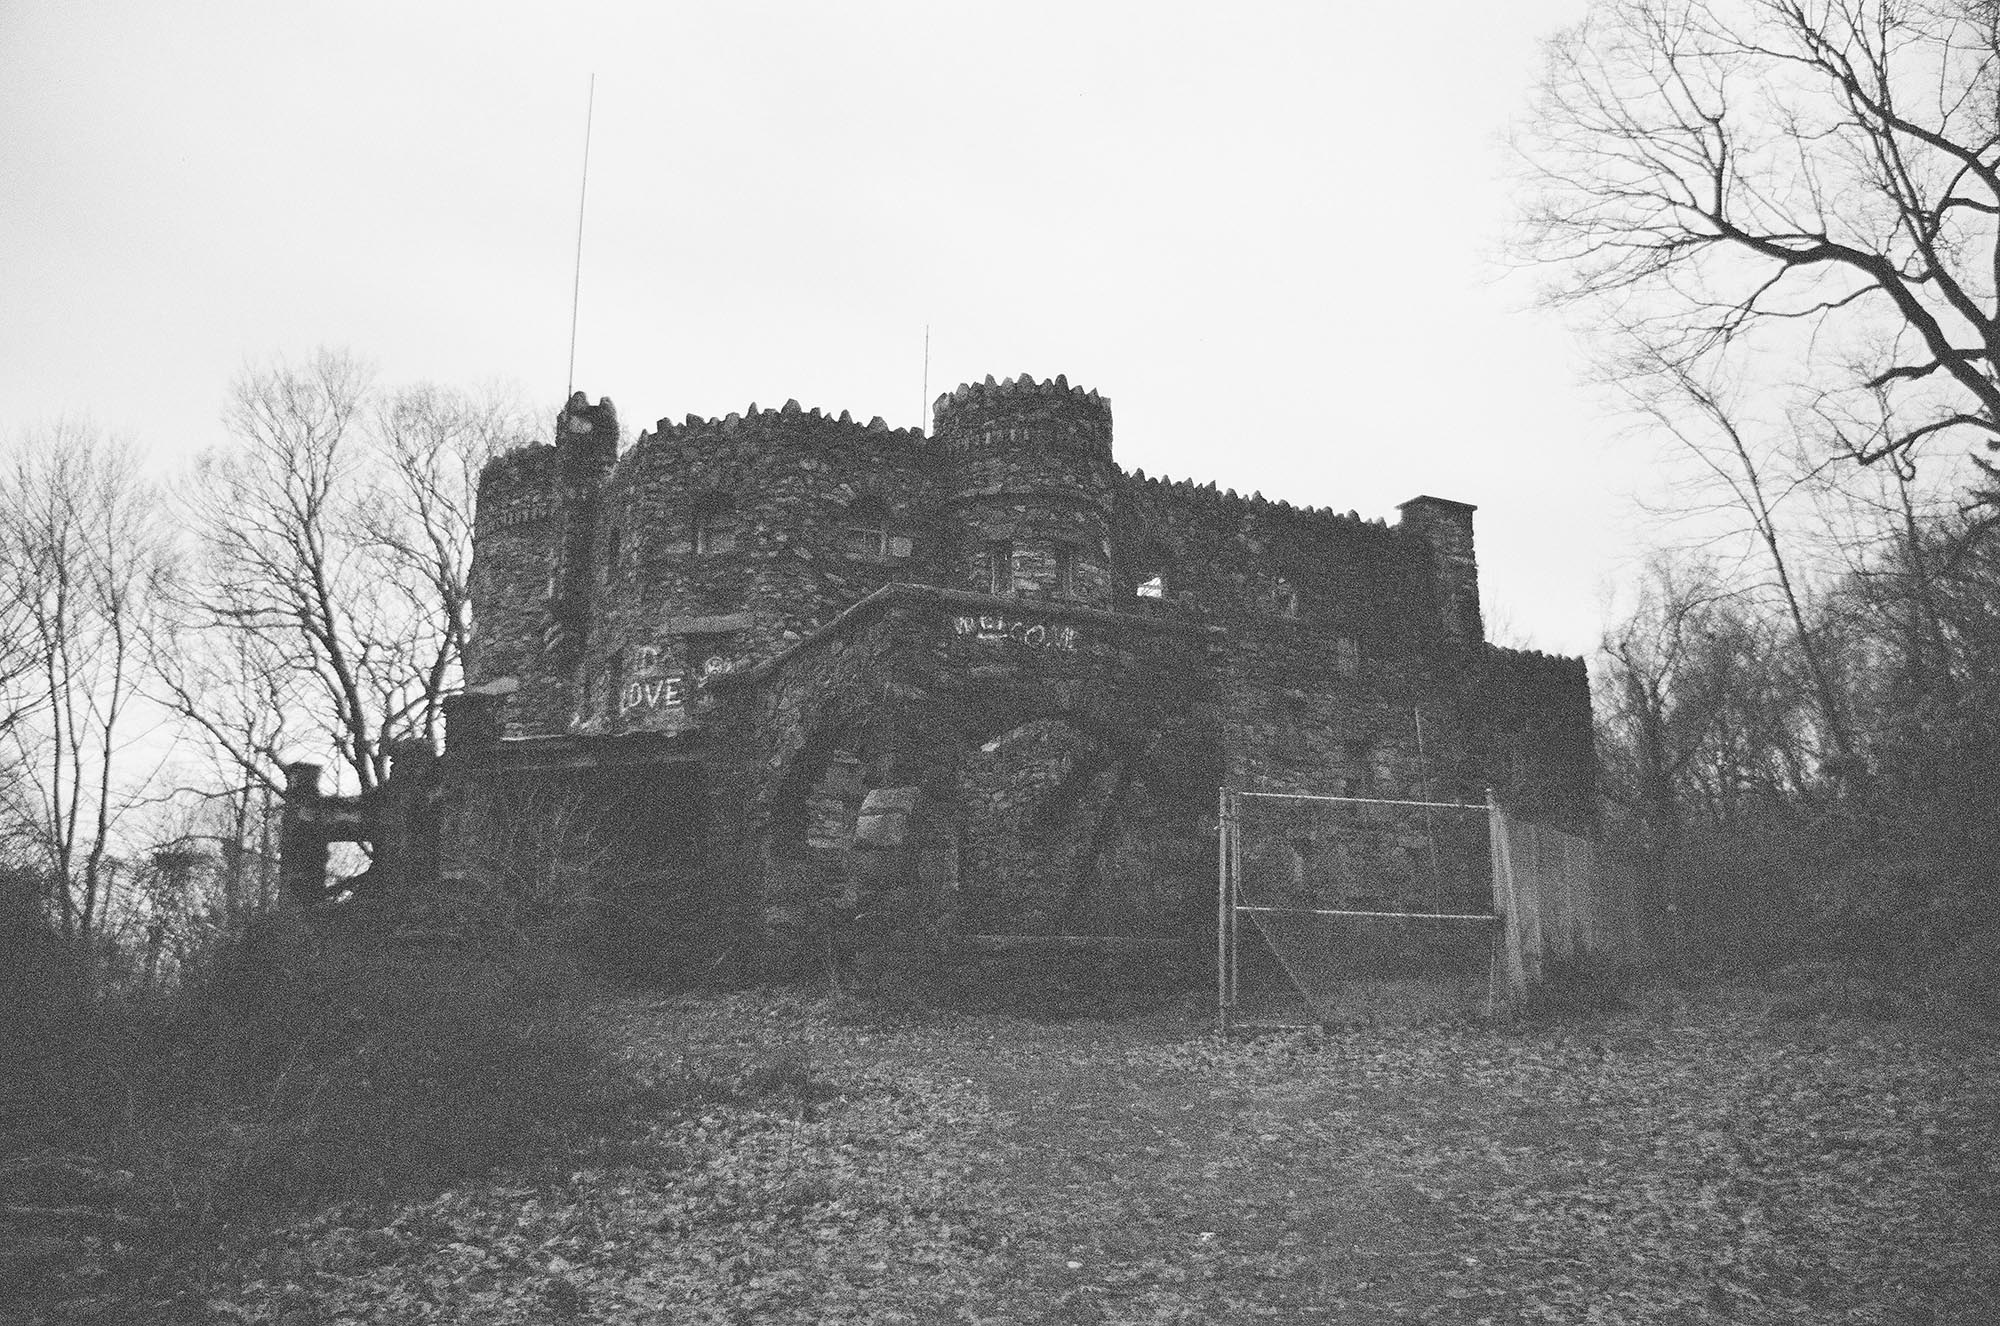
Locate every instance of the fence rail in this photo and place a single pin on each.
(1553, 898)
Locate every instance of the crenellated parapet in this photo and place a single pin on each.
(516, 488)
(790, 424)
(1023, 413)
(1535, 711)
(1244, 504)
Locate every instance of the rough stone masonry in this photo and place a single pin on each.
(809, 673)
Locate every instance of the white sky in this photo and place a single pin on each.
(1269, 232)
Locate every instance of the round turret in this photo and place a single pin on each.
(722, 541)
(531, 540)
(1030, 477)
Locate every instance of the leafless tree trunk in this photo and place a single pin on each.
(82, 559)
(1709, 428)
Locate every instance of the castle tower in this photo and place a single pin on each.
(536, 515)
(1030, 481)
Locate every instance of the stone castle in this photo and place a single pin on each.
(981, 681)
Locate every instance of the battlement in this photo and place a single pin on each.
(793, 425)
(523, 486)
(1022, 411)
(1527, 662)
(1186, 490)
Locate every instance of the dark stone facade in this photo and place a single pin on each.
(832, 676)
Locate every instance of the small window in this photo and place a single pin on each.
(1066, 586)
(870, 533)
(999, 567)
(1284, 597)
(867, 532)
(611, 563)
(1152, 585)
(714, 525)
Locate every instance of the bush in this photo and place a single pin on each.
(365, 1065)
(302, 1065)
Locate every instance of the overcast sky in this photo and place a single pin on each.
(1270, 233)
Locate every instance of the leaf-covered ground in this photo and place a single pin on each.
(797, 1162)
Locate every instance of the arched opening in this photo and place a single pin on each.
(1069, 831)
(808, 886)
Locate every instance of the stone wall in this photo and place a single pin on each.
(724, 540)
(986, 680)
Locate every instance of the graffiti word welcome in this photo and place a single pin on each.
(658, 693)
(1035, 635)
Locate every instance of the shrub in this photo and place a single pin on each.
(302, 1064)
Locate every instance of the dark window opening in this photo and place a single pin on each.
(1284, 597)
(1066, 584)
(610, 567)
(999, 567)
(870, 533)
(714, 525)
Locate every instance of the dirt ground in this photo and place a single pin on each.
(1717, 1158)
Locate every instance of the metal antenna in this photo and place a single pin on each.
(582, 193)
(924, 412)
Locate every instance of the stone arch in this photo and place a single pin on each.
(1070, 826)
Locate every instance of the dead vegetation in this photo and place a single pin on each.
(1808, 1152)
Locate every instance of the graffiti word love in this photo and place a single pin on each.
(658, 693)
(1035, 635)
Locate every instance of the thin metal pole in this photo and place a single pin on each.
(1235, 901)
(582, 194)
(1222, 910)
(1386, 916)
(1367, 801)
(1430, 829)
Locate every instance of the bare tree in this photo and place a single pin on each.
(1755, 477)
(238, 705)
(1811, 180)
(429, 444)
(335, 530)
(82, 558)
